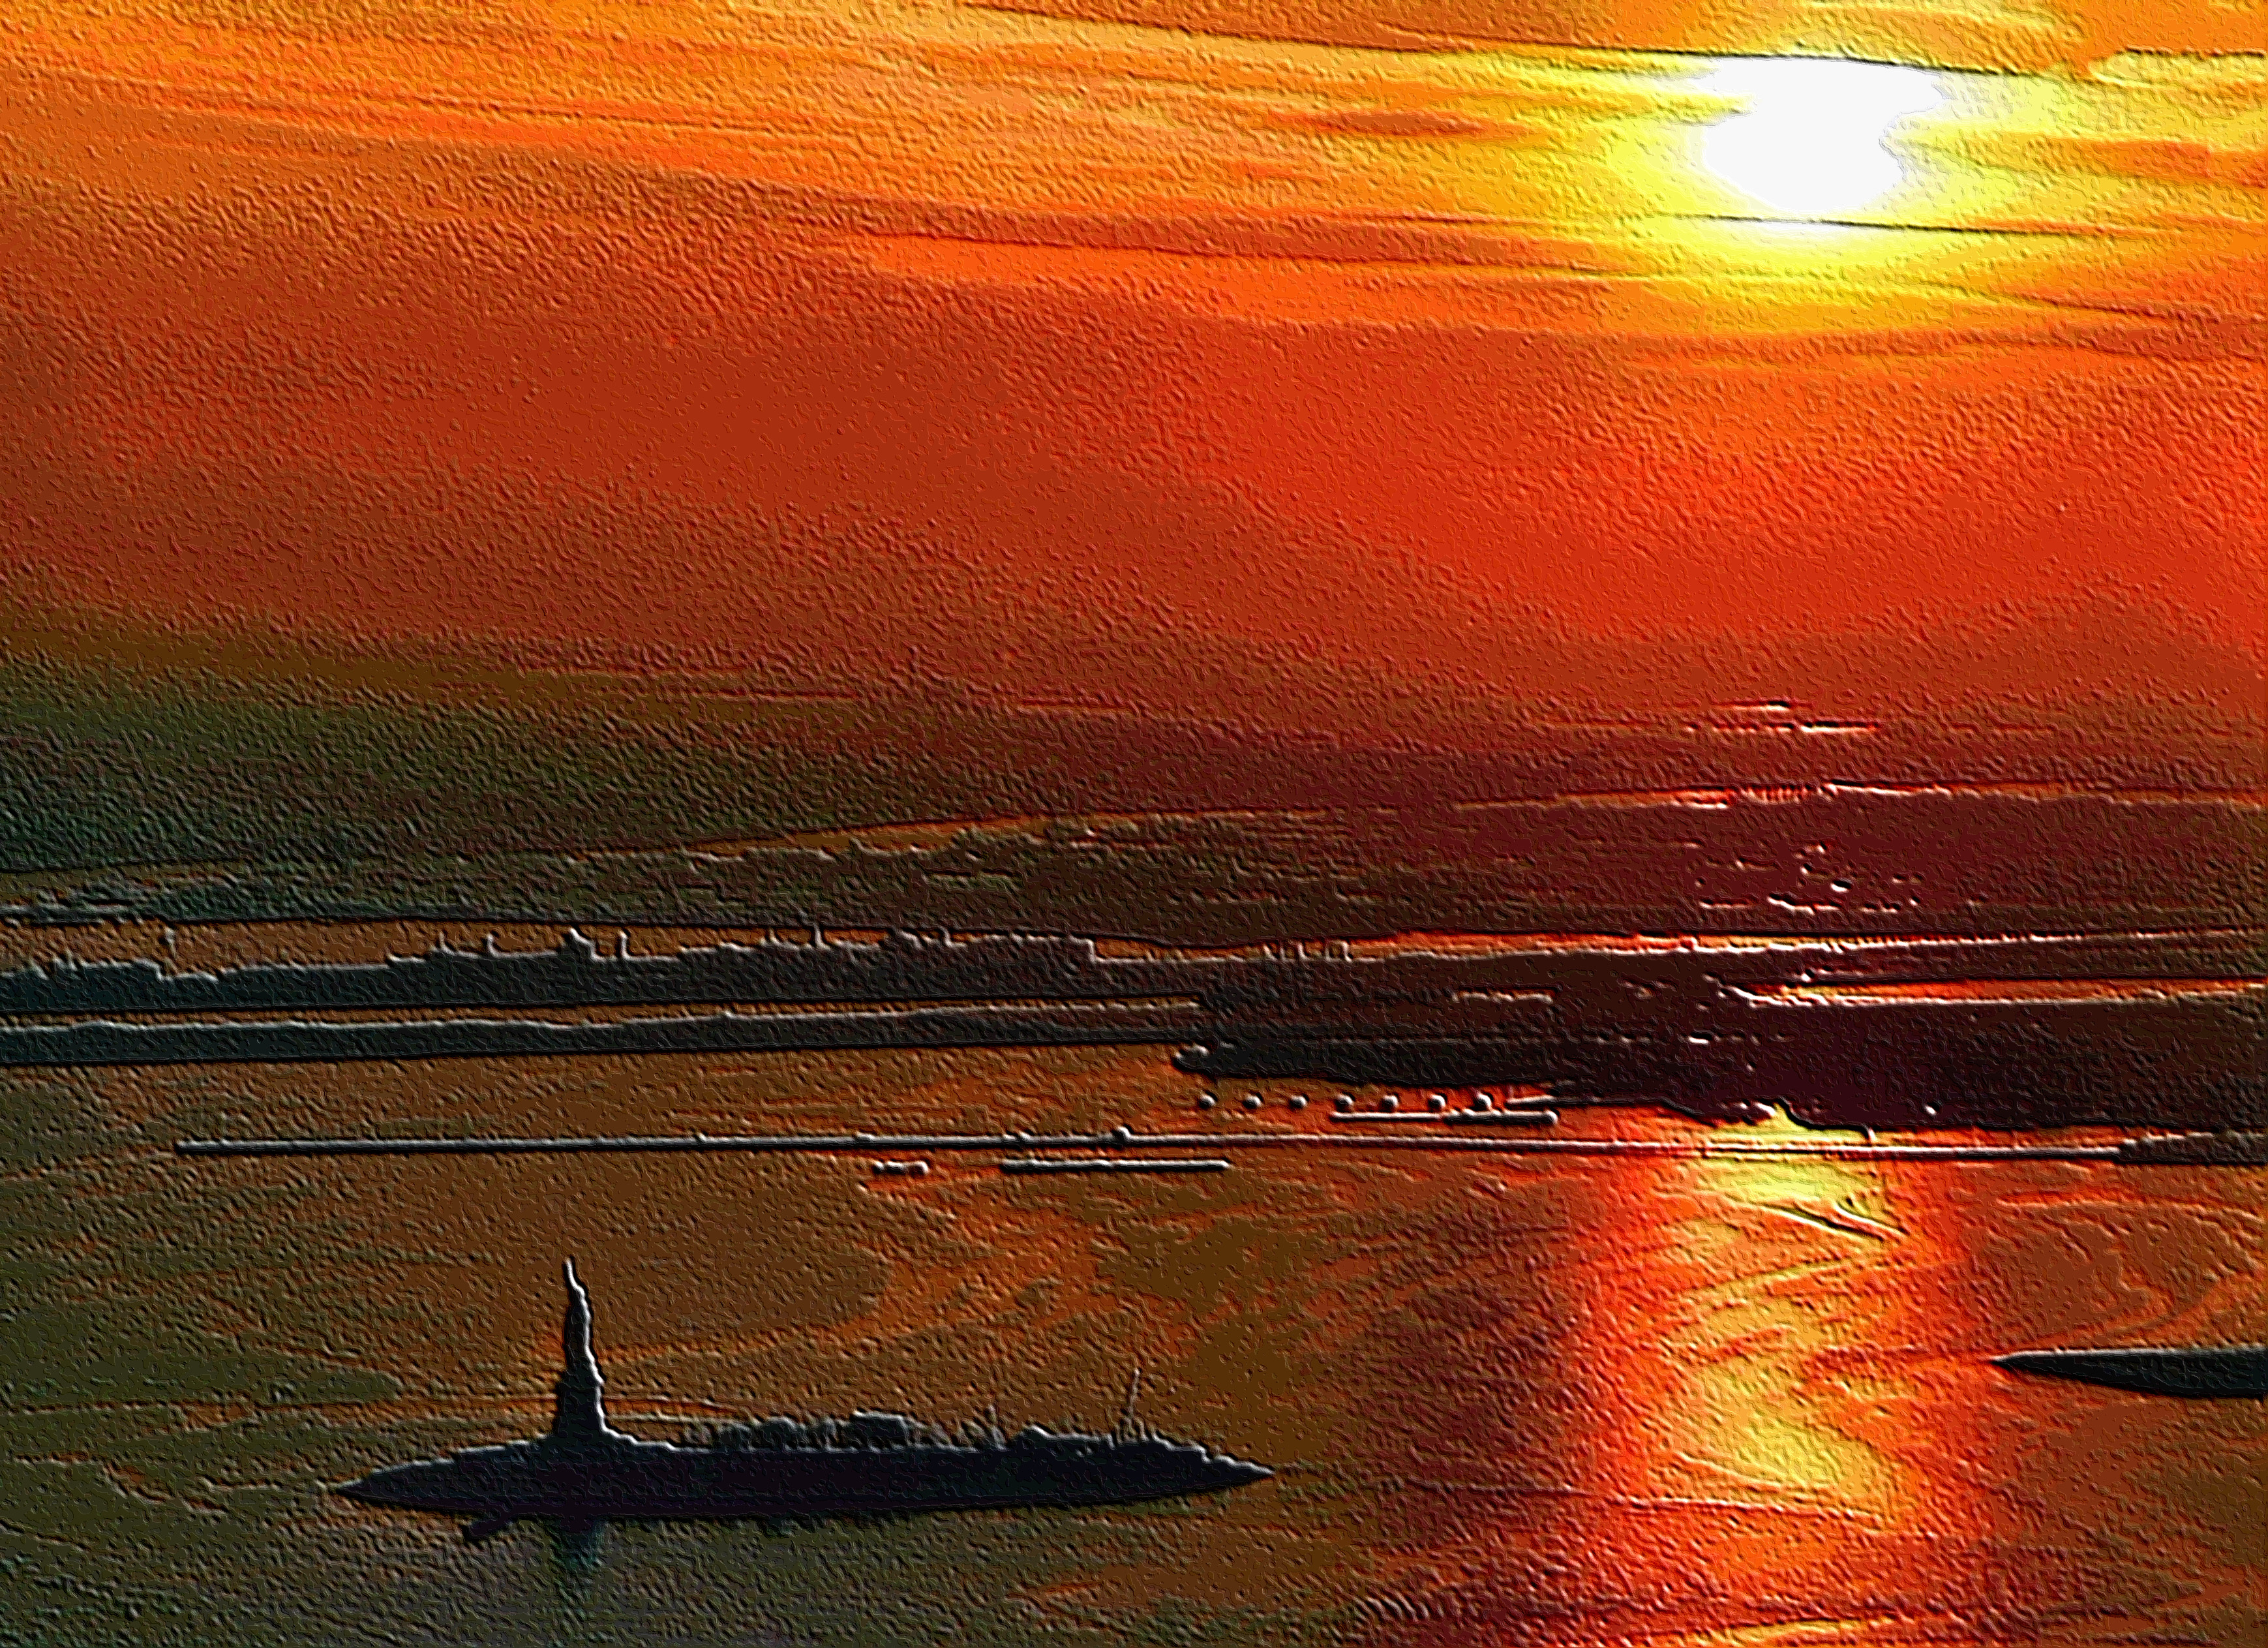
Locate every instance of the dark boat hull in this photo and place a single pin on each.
(2198, 1371)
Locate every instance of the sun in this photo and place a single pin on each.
(1809, 143)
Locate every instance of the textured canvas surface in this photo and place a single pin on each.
(1449, 813)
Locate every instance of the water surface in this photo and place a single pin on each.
(1510, 1401)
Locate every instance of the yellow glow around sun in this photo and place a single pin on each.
(1809, 143)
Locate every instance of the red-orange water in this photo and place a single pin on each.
(1700, 1402)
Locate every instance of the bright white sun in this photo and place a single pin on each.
(1809, 143)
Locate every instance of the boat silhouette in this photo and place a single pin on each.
(2192, 1371)
(584, 1473)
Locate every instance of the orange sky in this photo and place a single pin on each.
(1269, 370)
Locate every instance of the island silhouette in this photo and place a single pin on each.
(584, 1473)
